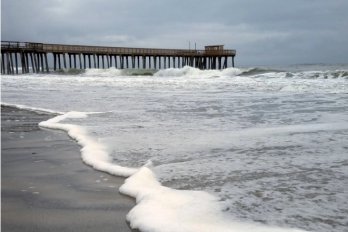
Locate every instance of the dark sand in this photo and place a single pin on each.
(46, 187)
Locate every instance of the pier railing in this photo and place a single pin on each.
(131, 51)
(11, 45)
(62, 48)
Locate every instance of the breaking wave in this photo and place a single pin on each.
(256, 71)
(191, 72)
(318, 74)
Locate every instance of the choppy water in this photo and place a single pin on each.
(272, 144)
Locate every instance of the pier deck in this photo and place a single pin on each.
(33, 57)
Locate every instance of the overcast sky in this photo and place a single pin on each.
(264, 32)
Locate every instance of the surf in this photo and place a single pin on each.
(168, 206)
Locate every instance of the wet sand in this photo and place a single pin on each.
(46, 187)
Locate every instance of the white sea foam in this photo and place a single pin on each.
(93, 153)
(103, 72)
(161, 209)
(188, 71)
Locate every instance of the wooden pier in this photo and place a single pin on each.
(25, 57)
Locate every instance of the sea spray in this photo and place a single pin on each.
(191, 72)
(113, 72)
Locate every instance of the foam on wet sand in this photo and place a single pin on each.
(46, 187)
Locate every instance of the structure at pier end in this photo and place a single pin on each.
(25, 57)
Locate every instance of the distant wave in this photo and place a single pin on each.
(188, 71)
(191, 72)
(319, 74)
(69, 71)
(256, 71)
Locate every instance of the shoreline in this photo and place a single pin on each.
(46, 186)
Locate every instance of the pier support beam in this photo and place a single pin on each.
(64, 60)
(75, 61)
(59, 64)
(46, 61)
(2, 64)
(16, 62)
(33, 64)
(89, 61)
(80, 61)
(70, 64)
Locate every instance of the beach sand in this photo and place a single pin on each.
(45, 185)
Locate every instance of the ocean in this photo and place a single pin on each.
(240, 149)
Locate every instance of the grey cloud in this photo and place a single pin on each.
(263, 32)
